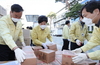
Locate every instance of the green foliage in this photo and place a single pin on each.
(74, 11)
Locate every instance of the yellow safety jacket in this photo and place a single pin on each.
(39, 36)
(9, 33)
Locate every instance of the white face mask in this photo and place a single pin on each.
(42, 26)
(87, 21)
(15, 19)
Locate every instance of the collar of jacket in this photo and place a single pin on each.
(98, 24)
(81, 23)
(11, 22)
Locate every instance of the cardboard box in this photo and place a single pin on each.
(67, 59)
(36, 50)
(39, 62)
(47, 55)
(26, 33)
(26, 40)
(52, 46)
(30, 56)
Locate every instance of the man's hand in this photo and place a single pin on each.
(20, 55)
(79, 58)
(78, 50)
(52, 42)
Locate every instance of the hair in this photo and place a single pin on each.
(67, 22)
(27, 27)
(16, 8)
(80, 15)
(30, 28)
(42, 18)
(91, 6)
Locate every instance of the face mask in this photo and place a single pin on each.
(42, 26)
(87, 21)
(15, 19)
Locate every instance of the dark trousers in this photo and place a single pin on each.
(65, 44)
(74, 46)
(6, 54)
(32, 43)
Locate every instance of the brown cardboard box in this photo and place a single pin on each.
(52, 47)
(87, 62)
(36, 50)
(26, 40)
(30, 56)
(67, 59)
(26, 33)
(47, 55)
(39, 62)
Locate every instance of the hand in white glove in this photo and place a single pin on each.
(80, 57)
(52, 42)
(20, 55)
(78, 42)
(23, 44)
(44, 45)
(78, 50)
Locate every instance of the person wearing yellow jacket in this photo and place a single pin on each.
(66, 35)
(78, 33)
(10, 31)
(41, 32)
(91, 14)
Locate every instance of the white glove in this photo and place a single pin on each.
(20, 55)
(78, 42)
(78, 50)
(44, 45)
(52, 42)
(23, 44)
(79, 58)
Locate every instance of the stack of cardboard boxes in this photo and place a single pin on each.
(30, 56)
(36, 50)
(27, 38)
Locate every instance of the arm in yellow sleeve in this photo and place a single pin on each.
(93, 42)
(5, 34)
(49, 36)
(35, 38)
(72, 32)
(94, 55)
(21, 38)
